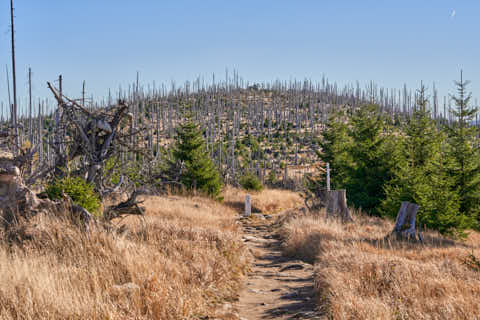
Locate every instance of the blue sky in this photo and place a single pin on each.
(106, 42)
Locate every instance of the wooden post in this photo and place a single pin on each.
(39, 133)
(248, 206)
(60, 134)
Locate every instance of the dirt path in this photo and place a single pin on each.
(277, 287)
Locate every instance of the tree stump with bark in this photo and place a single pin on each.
(335, 202)
(405, 222)
(337, 205)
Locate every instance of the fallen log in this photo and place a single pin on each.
(127, 207)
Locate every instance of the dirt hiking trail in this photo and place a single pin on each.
(277, 287)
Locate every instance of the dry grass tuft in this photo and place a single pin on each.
(361, 274)
(180, 264)
(265, 201)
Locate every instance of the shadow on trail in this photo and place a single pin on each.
(300, 302)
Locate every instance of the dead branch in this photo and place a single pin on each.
(127, 207)
(93, 135)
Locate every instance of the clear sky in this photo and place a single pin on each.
(105, 42)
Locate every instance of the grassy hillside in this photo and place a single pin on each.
(180, 263)
(360, 274)
(183, 261)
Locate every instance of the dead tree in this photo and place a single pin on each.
(14, 79)
(86, 140)
(19, 203)
(94, 136)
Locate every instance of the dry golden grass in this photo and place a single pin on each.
(360, 274)
(180, 264)
(265, 201)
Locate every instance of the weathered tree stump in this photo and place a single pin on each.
(335, 202)
(18, 202)
(405, 222)
(337, 205)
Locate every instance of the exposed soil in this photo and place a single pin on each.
(277, 287)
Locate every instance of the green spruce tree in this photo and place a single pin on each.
(465, 168)
(419, 174)
(371, 152)
(189, 156)
(334, 148)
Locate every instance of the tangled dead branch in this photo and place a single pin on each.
(83, 141)
(127, 207)
(94, 136)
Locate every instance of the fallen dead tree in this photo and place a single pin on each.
(92, 136)
(83, 141)
(131, 206)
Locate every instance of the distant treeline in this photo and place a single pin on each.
(384, 146)
(269, 129)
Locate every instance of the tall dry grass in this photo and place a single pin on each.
(360, 274)
(180, 263)
(266, 201)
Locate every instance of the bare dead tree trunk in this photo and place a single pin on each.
(30, 113)
(83, 93)
(14, 78)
